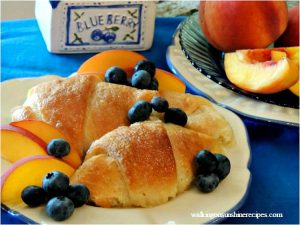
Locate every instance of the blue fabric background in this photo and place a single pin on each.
(275, 148)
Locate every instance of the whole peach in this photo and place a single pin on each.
(290, 37)
(232, 25)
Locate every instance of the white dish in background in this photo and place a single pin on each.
(228, 197)
(202, 85)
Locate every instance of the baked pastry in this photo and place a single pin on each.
(84, 108)
(143, 164)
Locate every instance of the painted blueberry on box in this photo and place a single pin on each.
(109, 37)
(96, 35)
(87, 26)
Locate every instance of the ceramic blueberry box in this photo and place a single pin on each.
(94, 26)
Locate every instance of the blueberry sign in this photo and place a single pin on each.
(104, 24)
(97, 35)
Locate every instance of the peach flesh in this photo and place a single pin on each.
(47, 132)
(28, 171)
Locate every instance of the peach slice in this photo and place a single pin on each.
(263, 71)
(17, 143)
(277, 55)
(169, 82)
(28, 171)
(98, 64)
(47, 132)
(294, 56)
(295, 89)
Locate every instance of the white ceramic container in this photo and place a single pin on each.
(94, 26)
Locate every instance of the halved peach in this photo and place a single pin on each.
(263, 71)
(18, 143)
(28, 171)
(47, 132)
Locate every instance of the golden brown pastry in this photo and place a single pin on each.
(142, 165)
(84, 108)
(202, 116)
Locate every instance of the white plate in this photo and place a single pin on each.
(222, 96)
(228, 197)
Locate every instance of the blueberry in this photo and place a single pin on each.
(116, 75)
(207, 183)
(141, 79)
(33, 196)
(159, 104)
(153, 85)
(60, 208)
(140, 111)
(55, 183)
(206, 162)
(223, 168)
(109, 37)
(78, 193)
(58, 147)
(96, 35)
(176, 116)
(145, 65)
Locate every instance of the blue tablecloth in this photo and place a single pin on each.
(275, 148)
